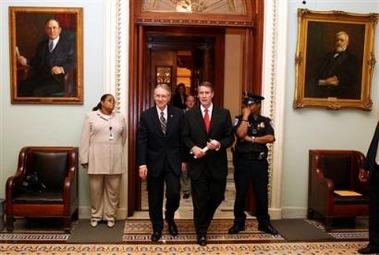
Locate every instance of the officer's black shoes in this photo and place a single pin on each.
(236, 228)
(156, 236)
(268, 229)
(202, 240)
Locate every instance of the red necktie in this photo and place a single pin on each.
(207, 122)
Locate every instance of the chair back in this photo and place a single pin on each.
(338, 169)
(51, 168)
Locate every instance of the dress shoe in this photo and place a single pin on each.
(186, 196)
(172, 228)
(368, 250)
(236, 228)
(94, 223)
(268, 229)
(111, 223)
(202, 240)
(156, 236)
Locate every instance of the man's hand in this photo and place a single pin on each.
(363, 175)
(213, 145)
(143, 172)
(245, 112)
(22, 61)
(57, 70)
(197, 152)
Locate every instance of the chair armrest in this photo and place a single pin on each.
(70, 185)
(322, 190)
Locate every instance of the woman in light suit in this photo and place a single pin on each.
(102, 155)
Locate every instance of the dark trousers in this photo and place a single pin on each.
(374, 209)
(207, 194)
(256, 172)
(155, 189)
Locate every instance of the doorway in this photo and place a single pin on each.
(188, 56)
(154, 25)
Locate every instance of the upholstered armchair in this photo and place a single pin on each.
(45, 185)
(334, 189)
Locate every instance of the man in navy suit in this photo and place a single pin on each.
(55, 57)
(370, 172)
(161, 158)
(208, 166)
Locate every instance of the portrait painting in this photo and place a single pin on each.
(46, 55)
(334, 59)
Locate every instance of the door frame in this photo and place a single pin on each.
(251, 71)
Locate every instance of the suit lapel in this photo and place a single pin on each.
(170, 119)
(154, 116)
(214, 117)
(199, 117)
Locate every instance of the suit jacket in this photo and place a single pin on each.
(194, 133)
(157, 150)
(64, 54)
(370, 163)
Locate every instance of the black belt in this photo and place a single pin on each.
(252, 156)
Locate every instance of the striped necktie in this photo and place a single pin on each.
(163, 123)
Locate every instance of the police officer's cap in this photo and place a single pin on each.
(249, 98)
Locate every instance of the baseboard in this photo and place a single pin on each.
(294, 213)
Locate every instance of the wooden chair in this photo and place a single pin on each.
(332, 172)
(57, 193)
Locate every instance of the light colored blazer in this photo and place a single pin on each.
(102, 143)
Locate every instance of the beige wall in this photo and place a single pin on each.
(233, 71)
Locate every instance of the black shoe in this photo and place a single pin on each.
(368, 250)
(236, 228)
(172, 228)
(269, 230)
(156, 236)
(202, 240)
(186, 196)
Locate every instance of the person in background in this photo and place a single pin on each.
(207, 134)
(160, 152)
(102, 155)
(179, 98)
(55, 57)
(370, 172)
(253, 132)
(185, 180)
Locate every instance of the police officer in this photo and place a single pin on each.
(253, 132)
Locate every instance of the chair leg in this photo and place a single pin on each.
(310, 213)
(75, 215)
(67, 224)
(10, 220)
(328, 223)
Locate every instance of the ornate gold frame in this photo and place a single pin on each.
(316, 31)
(26, 30)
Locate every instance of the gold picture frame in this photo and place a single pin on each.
(344, 80)
(33, 77)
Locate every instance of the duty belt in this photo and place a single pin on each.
(252, 156)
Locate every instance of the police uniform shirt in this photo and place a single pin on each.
(260, 126)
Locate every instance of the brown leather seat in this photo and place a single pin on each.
(336, 170)
(45, 185)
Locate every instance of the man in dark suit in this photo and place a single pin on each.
(207, 134)
(161, 158)
(55, 57)
(370, 172)
(337, 75)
